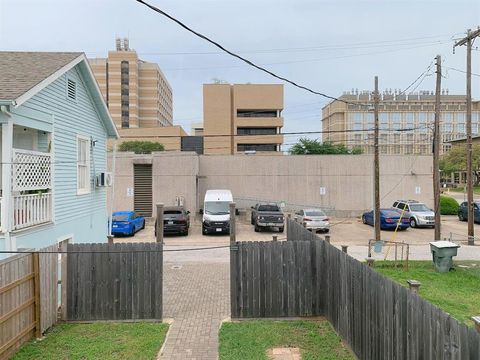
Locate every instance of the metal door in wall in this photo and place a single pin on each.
(142, 189)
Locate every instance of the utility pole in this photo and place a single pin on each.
(436, 152)
(376, 211)
(468, 41)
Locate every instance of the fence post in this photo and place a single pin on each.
(159, 223)
(327, 238)
(36, 282)
(370, 261)
(274, 237)
(414, 285)
(110, 239)
(476, 320)
(64, 277)
(232, 223)
(233, 264)
(344, 248)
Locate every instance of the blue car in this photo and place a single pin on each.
(127, 223)
(388, 219)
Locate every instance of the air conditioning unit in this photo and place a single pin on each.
(104, 179)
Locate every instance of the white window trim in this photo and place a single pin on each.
(84, 191)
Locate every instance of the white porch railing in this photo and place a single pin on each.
(31, 209)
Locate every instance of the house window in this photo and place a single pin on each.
(83, 165)
(71, 89)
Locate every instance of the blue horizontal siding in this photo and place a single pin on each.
(72, 118)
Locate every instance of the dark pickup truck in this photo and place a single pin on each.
(266, 215)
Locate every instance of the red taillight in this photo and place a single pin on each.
(182, 221)
(405, 220)
(306, 219)
(326, 219)
(389, 220)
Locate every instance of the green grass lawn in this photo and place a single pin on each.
(456, 292)
(98, 341)
(252, 339)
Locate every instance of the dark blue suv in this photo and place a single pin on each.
(463, 212)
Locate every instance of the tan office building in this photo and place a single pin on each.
(351, 122)
(137, 93)
(242, 117)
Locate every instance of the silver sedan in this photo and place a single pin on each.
(313, 219)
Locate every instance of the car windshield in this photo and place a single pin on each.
(268, 208)
(315, 213)
(120, 217)
(172, 212)
(217, 208)
(419, 207)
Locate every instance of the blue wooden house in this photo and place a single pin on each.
(54, 130)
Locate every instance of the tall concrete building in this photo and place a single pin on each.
(239, 118)
(351, 122)
(137, 93)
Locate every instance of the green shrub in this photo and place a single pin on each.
(141, 147)
(448, 205)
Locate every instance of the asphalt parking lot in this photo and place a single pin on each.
(343, 231)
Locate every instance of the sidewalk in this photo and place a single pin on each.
(417, 252)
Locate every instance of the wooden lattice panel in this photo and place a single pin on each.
(31, 170)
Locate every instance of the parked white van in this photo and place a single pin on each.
(216, 211)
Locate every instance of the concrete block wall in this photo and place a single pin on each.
(341, 184)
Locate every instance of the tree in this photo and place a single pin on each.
(306, 146)
(141, 147)
(456, 160)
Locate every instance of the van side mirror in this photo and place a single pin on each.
(188, 212)
(237, 212)
(200, 211)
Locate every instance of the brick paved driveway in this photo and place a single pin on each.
(196, 296)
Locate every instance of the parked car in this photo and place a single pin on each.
(176, 220)
(127, 223)
(312, 219)
(388, 219)
(267, 215)
(463, 212)
(420, 215)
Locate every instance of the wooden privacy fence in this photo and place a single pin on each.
(376, 317)
(274, 279)
(28, 298)
(381, 319)
(114, 281)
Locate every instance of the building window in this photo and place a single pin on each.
(409, 119)
(383, 120)
(256, 131)
(256, 147)
(83, 165)
(125, 78)
(256, 113)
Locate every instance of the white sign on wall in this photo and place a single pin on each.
(129, 192)
(418, 190)
(323, 191)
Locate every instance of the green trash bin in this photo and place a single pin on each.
(442, 254)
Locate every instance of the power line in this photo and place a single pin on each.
(458, 70)
(300, 61)
(423, 74)
(369, 44)
(238, 56)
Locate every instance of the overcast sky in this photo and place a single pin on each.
(329, 46)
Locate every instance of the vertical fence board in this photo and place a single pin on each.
(114, 281)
